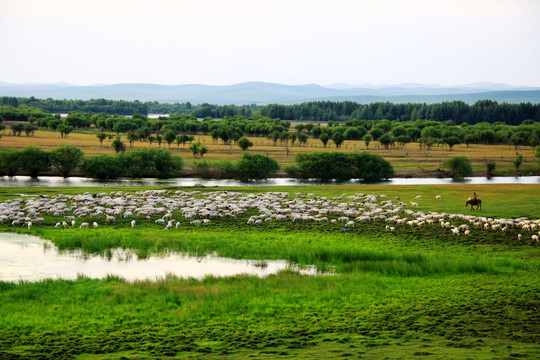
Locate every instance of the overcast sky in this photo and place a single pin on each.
(222, 42)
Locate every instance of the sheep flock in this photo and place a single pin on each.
(193, 208)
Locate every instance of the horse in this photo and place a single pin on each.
(473, 202)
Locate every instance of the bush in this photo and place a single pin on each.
(244, 143)
(459, 167)
(103, 167)
(343, 166)
(66, 158)
(255, 167)
(33, 161)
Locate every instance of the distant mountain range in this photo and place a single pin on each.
(266, 93)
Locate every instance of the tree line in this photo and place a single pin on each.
(457, 111)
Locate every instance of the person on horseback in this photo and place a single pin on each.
(475, 197)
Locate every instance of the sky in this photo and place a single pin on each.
(222, 42)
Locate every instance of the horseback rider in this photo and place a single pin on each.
(475, 197)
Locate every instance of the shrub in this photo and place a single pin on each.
(66, 158)
(103, 167)
(255, 167)
(459, 167)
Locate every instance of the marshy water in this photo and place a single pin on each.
(82, 181)
(30, 258)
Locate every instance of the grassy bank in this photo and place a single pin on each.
(415, 293)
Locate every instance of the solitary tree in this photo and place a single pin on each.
(66, 158)
(132, 137)
(367, 140)
(198, 149)
(118, 145)
(490, 168)
(101, 136)
(169, 137)
(517, 161)
(244, 143)
(324, 139)
(338, 139)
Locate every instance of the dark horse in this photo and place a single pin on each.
(474, 202)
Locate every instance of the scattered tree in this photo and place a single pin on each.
(101, 136)
(118, 145)
(517, 161)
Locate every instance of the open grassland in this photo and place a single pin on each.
(415, 293)
(407, 160)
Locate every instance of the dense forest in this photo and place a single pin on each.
(456, 111)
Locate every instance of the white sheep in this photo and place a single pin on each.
(95, 225)
(83, 225)
(535, 237)
(438, 197)
(133, 222)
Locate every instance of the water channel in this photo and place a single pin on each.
(82, 181)
(30, 258)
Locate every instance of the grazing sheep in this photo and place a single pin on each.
(196, 222)
(178, 224)
(95, 225)
(520, 236)
(29, 225)
(83, 225)
(438, 197)
(349, 224)
(169, 226)
(160, 221)
(57, 225)
(455, 231)
(414, 204)
(73, 223)
(535, 237)
(133, 222)
(418, 197)
(64, 224)
(467, 233)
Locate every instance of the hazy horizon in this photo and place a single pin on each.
(299, 42)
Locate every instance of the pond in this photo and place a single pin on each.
(30, 258)
(82, 181)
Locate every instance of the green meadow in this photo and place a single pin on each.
(413, 293)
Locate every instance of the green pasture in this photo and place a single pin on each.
(416, 293)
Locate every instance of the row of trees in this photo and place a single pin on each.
(66, 159)
(429, 133)
(457, 111)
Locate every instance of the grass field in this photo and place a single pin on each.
(416, 293)
(410, 160)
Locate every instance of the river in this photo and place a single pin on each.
(82, 181)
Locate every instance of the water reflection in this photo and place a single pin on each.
(82, 181)
(30, 258)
